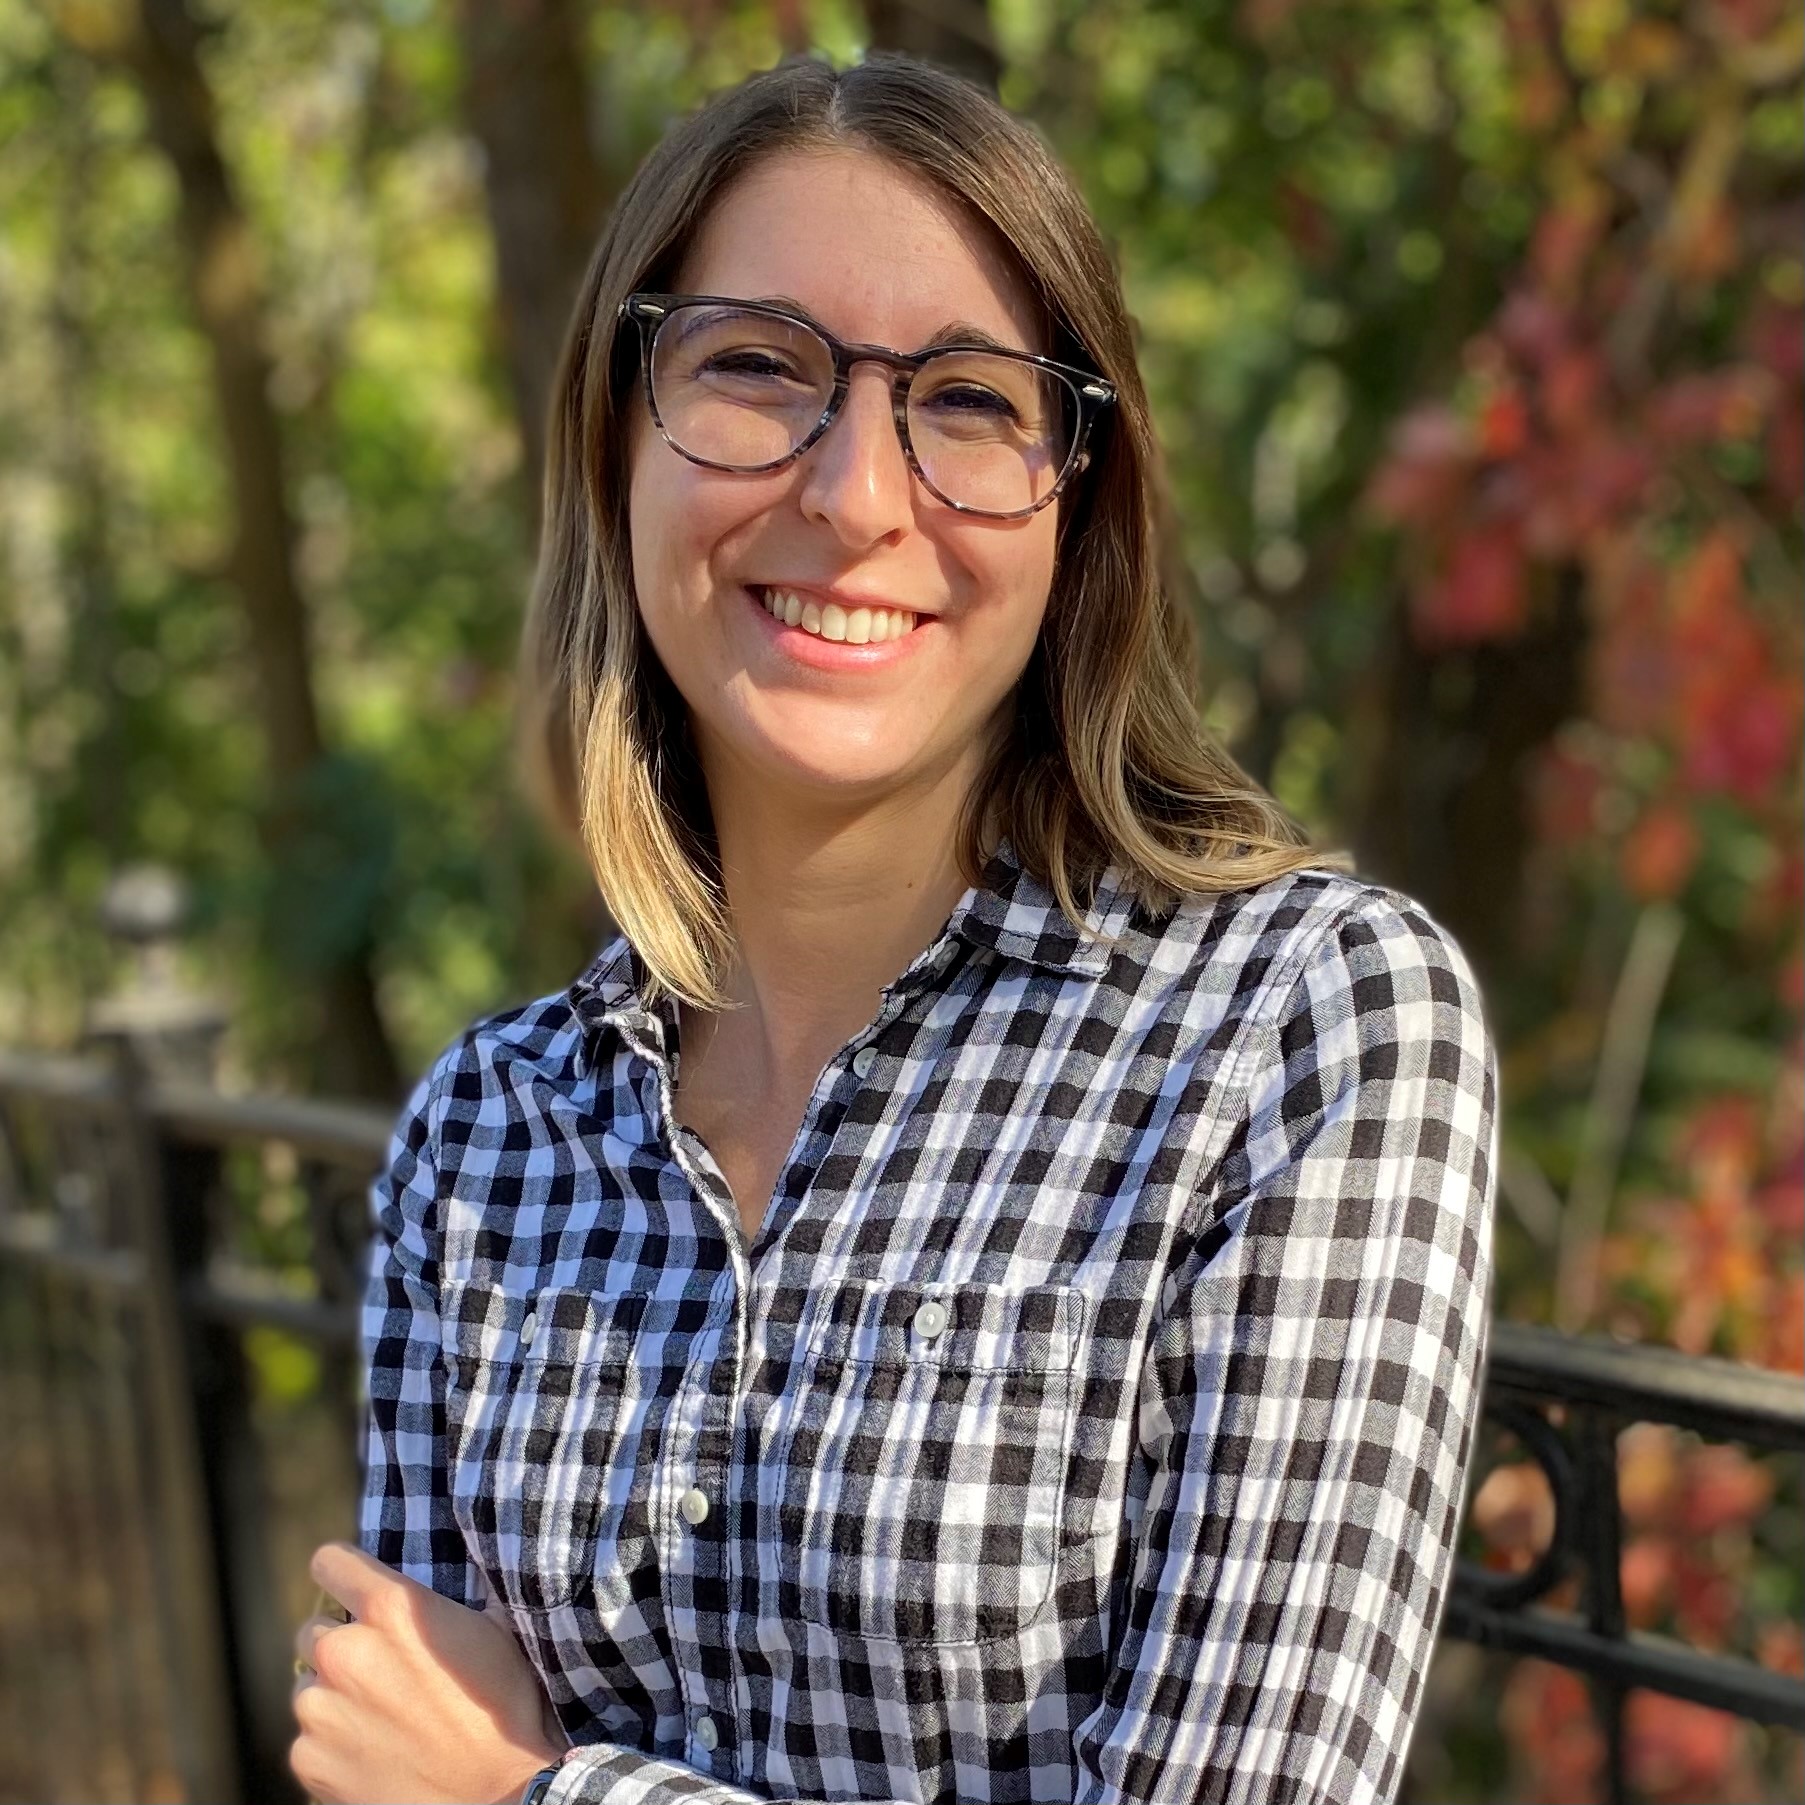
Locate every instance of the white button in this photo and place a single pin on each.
(930, 1319)
(862, 1062)
(706, 1733)
(528, 1329)
(694, 1505)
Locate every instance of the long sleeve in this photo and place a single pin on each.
(405, 1517)
(1309, 1399)
(1307, 1405)
(603, 1773)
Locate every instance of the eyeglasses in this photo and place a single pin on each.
(749, 386)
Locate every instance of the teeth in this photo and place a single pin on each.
(859, 626)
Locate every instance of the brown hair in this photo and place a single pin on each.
(1108, 760)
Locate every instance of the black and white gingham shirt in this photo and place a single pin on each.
(1089, 1420)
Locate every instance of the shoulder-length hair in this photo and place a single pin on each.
(1108, 761)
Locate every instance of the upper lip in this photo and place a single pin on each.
(848, 599)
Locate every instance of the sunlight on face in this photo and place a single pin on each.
(879, 258)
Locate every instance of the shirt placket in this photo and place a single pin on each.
(695, 1509)
(697, 1492)
(690, 1498)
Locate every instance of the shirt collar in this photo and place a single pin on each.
(1017, 915)
(1011, 912)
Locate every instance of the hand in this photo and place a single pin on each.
(419, 1701)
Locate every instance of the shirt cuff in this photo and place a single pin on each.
(604, 1773)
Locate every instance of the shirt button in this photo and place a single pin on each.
(862, 1062)
(706, 1734)
(528, 1329)
(930, 1319)
(694, 1505)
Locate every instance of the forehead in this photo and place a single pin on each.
(873, 252)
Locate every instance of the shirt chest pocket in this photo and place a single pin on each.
(921, 1466)
(541, 1386)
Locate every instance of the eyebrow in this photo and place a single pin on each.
(954, 332)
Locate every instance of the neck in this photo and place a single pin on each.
(829, 905)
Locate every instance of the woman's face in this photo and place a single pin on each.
(878, 258)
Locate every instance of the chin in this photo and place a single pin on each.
(811, 763)
(853, 783)
(824, 739)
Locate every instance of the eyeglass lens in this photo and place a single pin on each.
(744, 389)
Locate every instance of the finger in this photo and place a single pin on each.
(316, 1692)
(309, 1634)
(309, 1761)
(357, 1580)
(306, 1681)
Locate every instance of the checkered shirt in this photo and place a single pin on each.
(1089, 1420)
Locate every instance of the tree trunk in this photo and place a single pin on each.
(351, 1054)
(956, 34)
(547, 194)
(525, 101)
(87, 544)
(1444, 814)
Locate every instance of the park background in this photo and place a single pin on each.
(1474, 336)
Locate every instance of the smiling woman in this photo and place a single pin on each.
(978, 1291)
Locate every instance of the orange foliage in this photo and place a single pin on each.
(1723, 1261)
(1678, 1753)
(1781, 1647)
(1546, 1714)
(1687, 1512)
(1513, 1510)
(1647, 1580)
(1660, 852)
(1633, 416)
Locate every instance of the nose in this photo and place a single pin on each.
(855, 477)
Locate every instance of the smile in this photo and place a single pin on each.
(857, 626)
(827, 637)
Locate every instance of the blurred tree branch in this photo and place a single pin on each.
(352, 1055)
(1617, 1087)
(525, 99)
(957, 34)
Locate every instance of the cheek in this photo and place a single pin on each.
(669, 535)
(683, 520)
(1018, 575)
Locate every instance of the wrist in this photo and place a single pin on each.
(538, 1783)
(533, 1761)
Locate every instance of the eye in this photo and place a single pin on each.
(746, 363)
(969, 398)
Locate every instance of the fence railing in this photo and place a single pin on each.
(147, 1230)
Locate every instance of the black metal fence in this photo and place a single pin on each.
(158, 1514)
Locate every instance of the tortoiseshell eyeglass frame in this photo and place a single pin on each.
(1091, 392)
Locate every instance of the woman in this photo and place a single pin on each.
(979, 1292)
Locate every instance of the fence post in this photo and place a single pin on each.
(256, 1641)
(192, 1613)
(1603, 1530)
